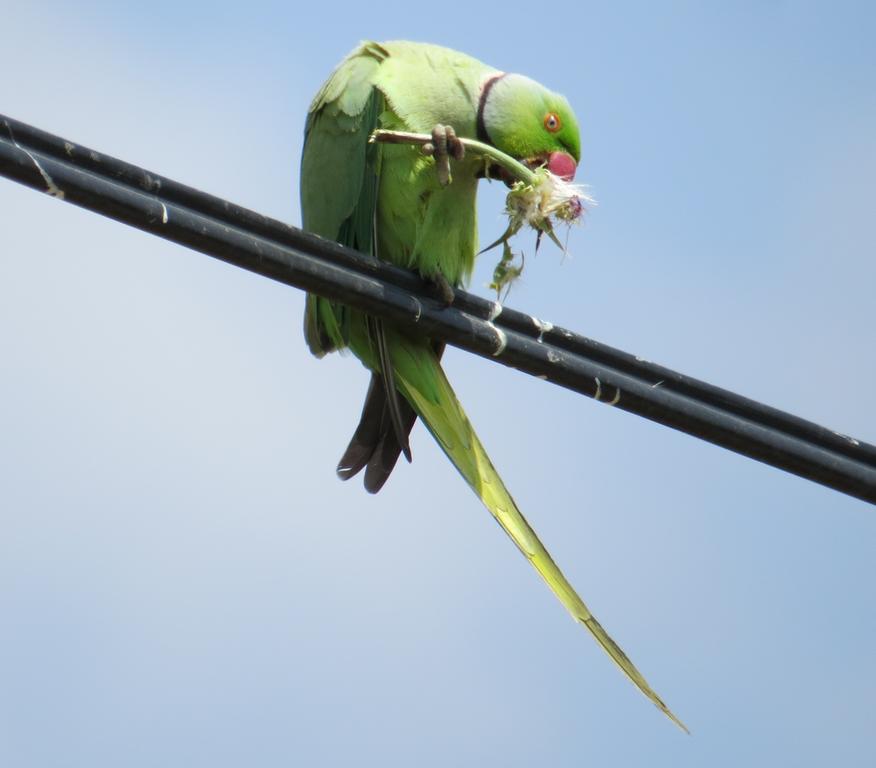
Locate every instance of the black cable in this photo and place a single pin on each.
(247, 239)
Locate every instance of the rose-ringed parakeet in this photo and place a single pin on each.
(397, 203)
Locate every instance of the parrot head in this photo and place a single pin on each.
(525, 120)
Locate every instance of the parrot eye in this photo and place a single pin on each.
(552, 122)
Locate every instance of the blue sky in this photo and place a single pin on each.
(183, 581)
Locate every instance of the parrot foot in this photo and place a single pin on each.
(442, 289)
(444, 145)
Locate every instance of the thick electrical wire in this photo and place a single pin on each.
(246, 239)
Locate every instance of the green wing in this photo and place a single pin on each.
(339, 177)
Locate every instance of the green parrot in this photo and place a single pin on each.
(398, 203)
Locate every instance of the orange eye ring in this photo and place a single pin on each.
(552, 122)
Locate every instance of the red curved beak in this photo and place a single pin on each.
(562, 165)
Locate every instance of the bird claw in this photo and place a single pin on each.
(442, 289)
(444, 145)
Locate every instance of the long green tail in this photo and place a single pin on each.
(420, 377)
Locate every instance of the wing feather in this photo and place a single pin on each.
(339, 177)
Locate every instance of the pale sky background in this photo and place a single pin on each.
(183, 580)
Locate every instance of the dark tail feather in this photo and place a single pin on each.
(375, 442)
(369, 432)
(386, 454)
(393, 398)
